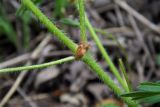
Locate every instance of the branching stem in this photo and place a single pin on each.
(73, 47)
(105, 55)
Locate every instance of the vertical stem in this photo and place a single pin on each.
(82, 20)
(105, 55)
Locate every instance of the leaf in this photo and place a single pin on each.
(21, 11)
(60, 8)
(8, 30)
(148, 86)
(151, 99)
(151, 83)
(149, 92)
(6, 27)
(139, 94)
(70, 22)
(37, 1)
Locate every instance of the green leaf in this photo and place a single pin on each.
(151, 99)
(151, 83)
(37, 1)
(21, 11)
(149, 92)
(148, 86)
(139, 94)
(60, 8)
(6, 27)
(8, 30)
(70, 22)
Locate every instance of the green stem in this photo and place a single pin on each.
(106, 78)
(51, 27)
(82, 20)
(71, 58)
(119, 45)
(123, 70)
(105, 54)
(73, 47)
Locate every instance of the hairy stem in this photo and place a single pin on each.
(82, 20)
(105, 55)
(106, 79)
(71, 58)
(73, 47)
(51, 27)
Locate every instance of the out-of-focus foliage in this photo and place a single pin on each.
(60, 6)
(26, 18)
(109, 105)
(6, 27)
(70, 22)
(158, 59)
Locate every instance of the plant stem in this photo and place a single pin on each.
(82, 20)
(105, 54)
(73, 47)
(71, 58)
(51, 27)
(118, 43)
(123, 70)
(106, 78)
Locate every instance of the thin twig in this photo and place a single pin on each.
(138, 16)
(139, 34)
(13, 88)
(24, 95)
(37, 66)
(119, 15)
